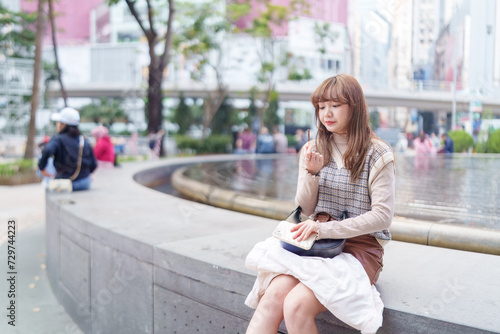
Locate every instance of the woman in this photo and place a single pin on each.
(345, 171)
(104, 149)
(423, 149)
(65, 147)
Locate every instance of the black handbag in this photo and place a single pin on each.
(327, 248)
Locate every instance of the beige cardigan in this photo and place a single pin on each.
(381, 190)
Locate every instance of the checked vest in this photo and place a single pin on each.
(339, 195)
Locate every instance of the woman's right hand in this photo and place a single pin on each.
(46, 174)
(313, 160)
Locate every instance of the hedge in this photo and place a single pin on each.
(462, 141)
(211, 144)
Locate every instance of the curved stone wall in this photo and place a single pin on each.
(408, 230)
(124, 258)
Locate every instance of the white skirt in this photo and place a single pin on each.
(340, 284)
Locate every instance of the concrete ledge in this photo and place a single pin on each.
(408, 230)
(123, 258)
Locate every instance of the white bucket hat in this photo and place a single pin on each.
(68, 116)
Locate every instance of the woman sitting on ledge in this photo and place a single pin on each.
(65, 148)
(347, 170)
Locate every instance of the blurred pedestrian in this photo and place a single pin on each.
(280, 141)
(246, 142)
(423, 149)
(301, 138)
(265, 142)
(65, 148)
(49, 168)
(155, 141)
(436, 143)
(448, 146)
(104, 149)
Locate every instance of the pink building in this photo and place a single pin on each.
(73, 19)
(325, 10)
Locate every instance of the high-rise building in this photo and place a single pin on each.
(72, 21)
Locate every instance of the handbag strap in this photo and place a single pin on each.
(79, 164)
(294, 216)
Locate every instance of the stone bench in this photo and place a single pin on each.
(124, 258)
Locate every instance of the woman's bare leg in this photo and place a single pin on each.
(300, 310)
(269, 313)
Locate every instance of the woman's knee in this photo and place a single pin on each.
(300, 305)
(278, 290)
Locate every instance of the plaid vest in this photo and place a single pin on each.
(338, 194)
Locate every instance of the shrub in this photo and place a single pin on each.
(18, 172)
(211, 144)
(217, 144)
(493, 142)
(462, 141)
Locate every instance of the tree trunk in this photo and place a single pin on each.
(64, 95)
(35, 97)
(265, 104)
(155, 97)
(212, 105)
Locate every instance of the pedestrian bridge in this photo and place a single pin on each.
(421, 97)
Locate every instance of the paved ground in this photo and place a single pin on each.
(37, 309)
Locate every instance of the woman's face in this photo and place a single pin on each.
(334, 116)
(59, 126)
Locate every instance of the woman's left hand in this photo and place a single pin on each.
(305, 229)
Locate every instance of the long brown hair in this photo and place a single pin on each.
(345, 89)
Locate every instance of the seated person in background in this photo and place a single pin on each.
(65, 148)
(447, 144)
(104, 150)
(265, 142)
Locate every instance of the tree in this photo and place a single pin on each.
(261, 28)
(107, 112)
(200, 39)
(324, 36)
(158, 62)
(54, 44)
(183, 115)
(40, 23)
(224, 119)
(271, 117)
(253, 112)
(18, 36)
(375, 120)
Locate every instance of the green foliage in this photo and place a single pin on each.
(106, 112)
(375, 120)
(18, 172)
(462, 141)
(211, 144)
(271, 117)
(224, 119)
(200, 31)
(253, 112)
(493, 142)
(295, 75)
(292, 140)
(183, 115)
(18, 33)
(271, 16)
(323, 35)
(18, 166)
(235, 11)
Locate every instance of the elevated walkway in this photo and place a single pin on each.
(123, 258)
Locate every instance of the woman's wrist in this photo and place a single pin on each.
(312, 173)
(317, 229)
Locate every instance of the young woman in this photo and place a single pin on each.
(345, 171)
(64, 147)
